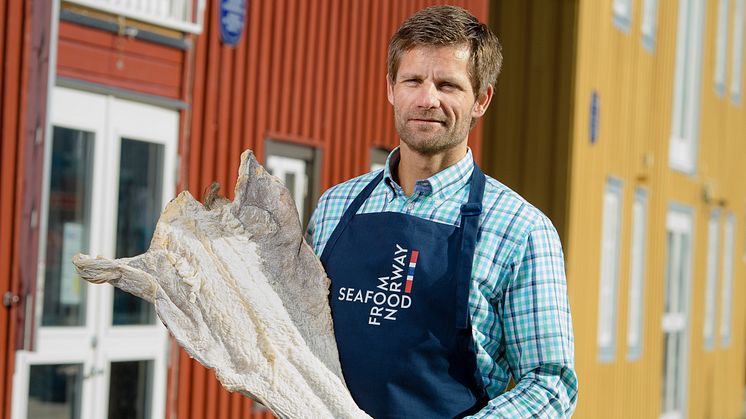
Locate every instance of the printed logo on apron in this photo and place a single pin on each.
(390, 293)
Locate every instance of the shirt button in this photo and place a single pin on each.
(410, 206)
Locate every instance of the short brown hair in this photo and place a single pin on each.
(449, 26)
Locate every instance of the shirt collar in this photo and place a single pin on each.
(439, 185)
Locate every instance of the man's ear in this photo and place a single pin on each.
(482, 102)
(389, 89)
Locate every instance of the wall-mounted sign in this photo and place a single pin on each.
(232, 17)
(595, 109)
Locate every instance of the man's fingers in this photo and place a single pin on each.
(118, 273)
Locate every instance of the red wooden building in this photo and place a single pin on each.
(108, 109)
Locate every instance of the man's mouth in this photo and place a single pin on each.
(426, 120)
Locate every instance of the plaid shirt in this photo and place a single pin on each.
(518, 296)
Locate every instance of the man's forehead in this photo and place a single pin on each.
(450, 60)
(460, 52)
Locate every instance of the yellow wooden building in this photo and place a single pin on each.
(625, 122)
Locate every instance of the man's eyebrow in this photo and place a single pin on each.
(405, 76)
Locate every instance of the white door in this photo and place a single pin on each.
(675, 324)
(100, 352)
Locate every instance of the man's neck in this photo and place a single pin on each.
(414, 166)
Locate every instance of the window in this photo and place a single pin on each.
(721, 47)
(623, 14)
(737, 63)
(378, 158)
(676, 310)
(637, 275)
(649, 23)
(727, 297)
(713, 242)
(298, 167)
(682, 154)
(609, 278)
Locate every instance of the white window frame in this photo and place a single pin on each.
(649, 24)
(622, 10)
(721, 47)
(684, 141)
(675, 323)
(637, 275)
(737, 54)
(609, 271)
(181, 15)
(711, 283)
(726, 304)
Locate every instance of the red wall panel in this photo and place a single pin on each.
(24, 52)
(309, 72)
(106, 58)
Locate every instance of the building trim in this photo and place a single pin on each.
(120, 93)
(131, 31)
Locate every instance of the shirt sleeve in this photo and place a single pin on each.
(537, 333)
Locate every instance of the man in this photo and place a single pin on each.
(445, 283)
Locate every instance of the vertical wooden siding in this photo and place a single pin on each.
(636, 91)
(305, 72)
(24, 52)
(12, 33)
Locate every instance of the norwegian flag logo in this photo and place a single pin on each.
(410, 274)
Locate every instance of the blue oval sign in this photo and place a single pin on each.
(232, 17)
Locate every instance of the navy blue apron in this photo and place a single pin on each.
(399, 299)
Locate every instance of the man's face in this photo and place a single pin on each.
(433, 98)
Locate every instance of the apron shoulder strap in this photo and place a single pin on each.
(348, 214)
(470, 212)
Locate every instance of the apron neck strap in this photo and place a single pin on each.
(470, 212)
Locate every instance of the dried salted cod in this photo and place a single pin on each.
(244, 294)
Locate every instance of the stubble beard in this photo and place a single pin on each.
(424, 141)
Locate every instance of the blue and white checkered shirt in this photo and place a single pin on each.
(520, 314)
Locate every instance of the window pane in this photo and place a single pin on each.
(737, 55)
(649, 23)
(609, 269)
(713, 239)
(139, 205)
(721, 46)
(686, 94)
(54, 391)
(130, 389)
(637, 275)
(727, 295)
(622, 14)
(68, 227)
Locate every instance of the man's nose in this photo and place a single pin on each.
(427, 96)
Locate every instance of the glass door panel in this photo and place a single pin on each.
(130, 389)
(139, 205)
(68, 227)
(674, 323)
(54, 391)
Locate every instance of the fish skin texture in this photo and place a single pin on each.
(242, 293)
